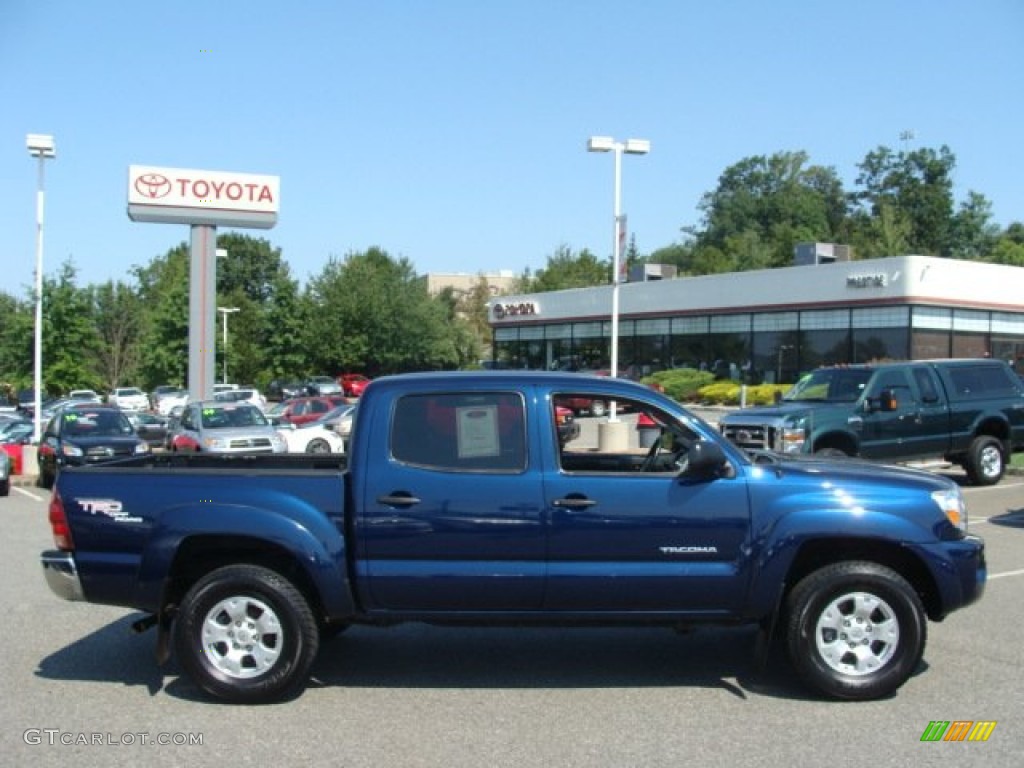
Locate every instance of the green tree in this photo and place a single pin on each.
(762, 207)
(119, 318)
(1009, 248)
(163, 287)
(71, 343)
(372, 313)
(16, 342)
(972, 234)
(566, 269)
(286, 332)
(917, 185)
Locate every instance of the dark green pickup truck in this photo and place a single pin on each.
(968, 412)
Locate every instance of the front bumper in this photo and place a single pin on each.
(61, 575)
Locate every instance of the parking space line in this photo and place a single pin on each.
(1006, 573)
(23, 492)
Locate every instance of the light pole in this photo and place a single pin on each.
(630, 147)
(39, 146)
(224, 312)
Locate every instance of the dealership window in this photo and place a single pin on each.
(880, 333)
(970, 333)
(774, 350)
(651, 351)
(729, 343)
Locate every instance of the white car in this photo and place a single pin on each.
(129, 399)
(310, 438)
(85, 395)
(242, 395)
(170, 400)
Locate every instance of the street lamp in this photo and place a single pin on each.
(630, 147)
(224, 312)
(40, 146)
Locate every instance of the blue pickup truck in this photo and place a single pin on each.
(459, 503)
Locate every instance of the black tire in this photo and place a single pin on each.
(318, 445)
(855, 630)
(5, 487)
(273, 627)
(985, 463)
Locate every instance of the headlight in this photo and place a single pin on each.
(214, 443)
(951, 502)
(71, 450)
(142, 448)
(791, 440)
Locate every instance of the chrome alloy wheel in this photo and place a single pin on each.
(857, 634)
(242, 637)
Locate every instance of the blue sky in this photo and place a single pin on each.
(453, 132)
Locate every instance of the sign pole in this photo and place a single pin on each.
(202, 304)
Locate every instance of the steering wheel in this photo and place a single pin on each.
(677, 457)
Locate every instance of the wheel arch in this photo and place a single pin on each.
(843, 441)
(202, 554)
(818, 553)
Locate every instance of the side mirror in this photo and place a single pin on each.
(704, 458)
(887, 400)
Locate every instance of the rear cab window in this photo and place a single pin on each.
(469, 431)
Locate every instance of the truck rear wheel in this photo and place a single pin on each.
(855, 630)
(245, 634)
(985, 463)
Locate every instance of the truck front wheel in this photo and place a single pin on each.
(985, 464)
(855, 630)
(245, 634)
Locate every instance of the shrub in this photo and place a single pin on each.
(681, 384)
(729, 393)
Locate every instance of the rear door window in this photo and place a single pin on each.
(461, 431)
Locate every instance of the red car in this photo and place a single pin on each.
(299, 410)
(353, 384)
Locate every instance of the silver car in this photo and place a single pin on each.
(212, 426)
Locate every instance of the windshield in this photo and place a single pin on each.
(227, 418)
(832, 385)
(96, 424)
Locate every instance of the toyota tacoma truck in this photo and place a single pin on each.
(967, 412)
(458, 503)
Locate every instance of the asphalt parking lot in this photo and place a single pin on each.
(80, 688)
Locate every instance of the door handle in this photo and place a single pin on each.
(398, 500)
(573, 503)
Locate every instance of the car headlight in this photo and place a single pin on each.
(791, 440)
(69, 449)
(214, 443)
(951, 502)
(142, 448)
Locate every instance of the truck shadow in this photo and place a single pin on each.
(113, 654)
(1013, 518)
(420, 656)
(438, 657)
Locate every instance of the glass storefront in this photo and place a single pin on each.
(774, 347)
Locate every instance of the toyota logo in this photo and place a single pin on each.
(153, 185)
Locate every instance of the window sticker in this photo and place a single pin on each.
(477, 431)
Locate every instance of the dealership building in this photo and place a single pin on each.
(770, 325)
